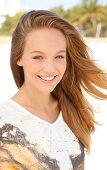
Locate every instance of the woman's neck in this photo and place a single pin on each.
(37, 99)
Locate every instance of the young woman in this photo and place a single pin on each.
(47, 125)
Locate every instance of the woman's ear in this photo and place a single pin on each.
(19, 62)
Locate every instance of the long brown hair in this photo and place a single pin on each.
(81, 72)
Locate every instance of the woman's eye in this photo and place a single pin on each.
(37, 57)
(60, 57)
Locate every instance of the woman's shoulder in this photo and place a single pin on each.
(4, 111)
(9, 112)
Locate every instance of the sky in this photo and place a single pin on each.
(12, 6)
(48, 3)
(51, 3)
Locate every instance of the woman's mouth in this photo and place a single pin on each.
(47, 79)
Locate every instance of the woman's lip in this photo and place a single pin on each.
(47, 76)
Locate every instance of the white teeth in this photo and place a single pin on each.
(47, 78)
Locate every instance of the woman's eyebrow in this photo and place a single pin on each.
(37, 51)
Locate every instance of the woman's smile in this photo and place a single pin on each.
(47, 80)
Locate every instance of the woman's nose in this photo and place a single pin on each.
(49, 66)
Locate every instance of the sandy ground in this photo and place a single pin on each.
(97, 158)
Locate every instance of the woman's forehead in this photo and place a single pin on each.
(45, 38)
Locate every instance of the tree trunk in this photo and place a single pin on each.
(98, 30)
(94, 25)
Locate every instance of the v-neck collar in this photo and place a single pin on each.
(28, 113)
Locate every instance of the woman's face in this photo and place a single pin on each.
(44, 59)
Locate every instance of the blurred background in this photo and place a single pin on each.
(89, 16)
(90, 19)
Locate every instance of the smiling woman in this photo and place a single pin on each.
(48, 123)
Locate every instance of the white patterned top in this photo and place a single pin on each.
(31, 143)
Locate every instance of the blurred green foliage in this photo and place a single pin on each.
(89, 18)
(10, 23)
